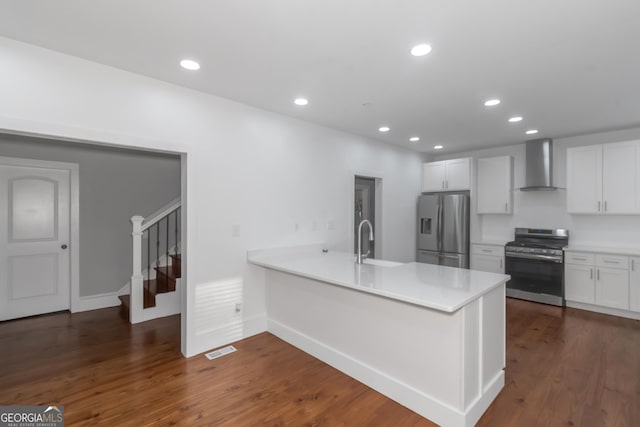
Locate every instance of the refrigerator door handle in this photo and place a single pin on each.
(439, 225)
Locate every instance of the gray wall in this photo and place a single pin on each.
(115, 184)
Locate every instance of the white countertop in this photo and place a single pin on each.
(490, 242)
(613, 250)
(441, 288)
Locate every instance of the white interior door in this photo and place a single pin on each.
(34, 241)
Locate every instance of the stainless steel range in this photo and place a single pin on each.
(535, 261)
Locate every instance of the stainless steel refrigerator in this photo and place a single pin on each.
(443, 229)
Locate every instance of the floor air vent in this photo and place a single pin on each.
(220, 352)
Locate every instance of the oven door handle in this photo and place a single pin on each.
(538, 257)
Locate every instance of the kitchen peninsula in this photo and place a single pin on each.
(429, 337)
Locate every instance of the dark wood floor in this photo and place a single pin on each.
(564, 367)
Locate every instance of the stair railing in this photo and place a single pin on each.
(160, 226)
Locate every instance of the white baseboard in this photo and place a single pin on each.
(125, 290)
(604, 310)
(227, 334)
(402, 393)
(477, 408)
(95, 302)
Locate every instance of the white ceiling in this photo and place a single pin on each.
(569, 67)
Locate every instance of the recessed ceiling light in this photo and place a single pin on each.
(384, 129)
(414, 139)
(515, 119)
(301, 101)
(492, 102)
(189, 64)
(531, 131)
(421, 50)
(438, 147)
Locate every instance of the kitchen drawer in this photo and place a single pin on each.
(580, 258)
(612, 261)
(487, 250)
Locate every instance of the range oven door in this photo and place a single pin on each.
(535, 279)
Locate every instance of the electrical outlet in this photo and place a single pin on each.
(238, 307)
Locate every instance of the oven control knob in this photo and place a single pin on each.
(543, 251)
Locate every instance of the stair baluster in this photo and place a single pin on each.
(177, 211)
(167, 271)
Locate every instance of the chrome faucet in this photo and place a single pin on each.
(363, 222)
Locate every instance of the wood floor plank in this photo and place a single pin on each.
(564, 367)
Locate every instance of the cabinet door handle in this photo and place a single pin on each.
(598, 206)
(591, 273)
(487, 250)
(506, 207)
(501, 262)
(579, 258)
(598, 274)
(611, 262)
(605, 205)
(633, 265)
(446, 184)
(443, 187)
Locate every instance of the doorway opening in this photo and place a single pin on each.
(366, 207)
(43, 268)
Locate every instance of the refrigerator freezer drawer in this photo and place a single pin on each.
(428, 257)
(440, 258)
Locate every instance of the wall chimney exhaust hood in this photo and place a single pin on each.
(539, 165)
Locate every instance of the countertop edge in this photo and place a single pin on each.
(395, 297)
(603, 250)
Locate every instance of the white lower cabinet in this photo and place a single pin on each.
(487, 258)
(634, 284)
(598, 279)
(579, 283)
(612, 287)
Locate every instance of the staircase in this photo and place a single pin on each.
(157, 266)
(165, 281)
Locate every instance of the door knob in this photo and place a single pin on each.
(64, 246)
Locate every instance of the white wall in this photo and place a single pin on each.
(115, 184)
(245, 167)
(548, 209)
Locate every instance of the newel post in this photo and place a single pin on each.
(137, 279)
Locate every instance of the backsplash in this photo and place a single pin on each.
(548, 209)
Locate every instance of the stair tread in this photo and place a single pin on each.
(177, 256)
(151, 286)
(149, 299)
(168, 271)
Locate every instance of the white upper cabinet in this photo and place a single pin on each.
(603, 179)
(447, 175)
(619, 169)
(494, 179)
(584, 179)
(433, 176)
